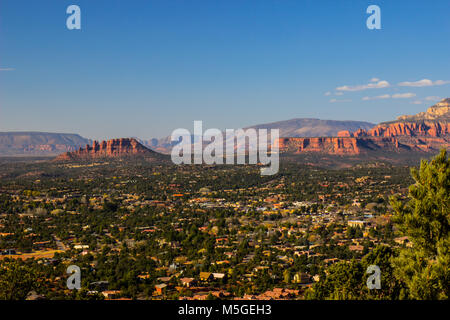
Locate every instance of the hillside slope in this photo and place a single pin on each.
(39, 143)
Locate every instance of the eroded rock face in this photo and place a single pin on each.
(420, 128)
(440, 111)
(426, 131)
(108, 149)
(338, 145)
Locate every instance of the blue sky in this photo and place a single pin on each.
(144, 68)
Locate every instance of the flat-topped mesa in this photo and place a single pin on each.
(344, 146)
(108, 149)
(331, 145)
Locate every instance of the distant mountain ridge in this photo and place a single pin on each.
(30, 143)
(424, 132)
(311, 127)
(298, 127)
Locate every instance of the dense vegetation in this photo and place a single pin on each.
(132, 225)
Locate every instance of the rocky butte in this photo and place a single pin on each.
(114, 148)
(424, 132)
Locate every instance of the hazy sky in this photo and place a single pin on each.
(144, 68)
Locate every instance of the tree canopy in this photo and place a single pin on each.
(425, 219)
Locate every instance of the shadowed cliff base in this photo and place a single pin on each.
(120, 149)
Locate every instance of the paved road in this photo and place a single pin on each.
(59, 244)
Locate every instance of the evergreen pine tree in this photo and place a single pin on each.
(425, 218)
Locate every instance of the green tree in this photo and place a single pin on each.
(382, 256)
(343, 282)
(424, 267)
(347, 280)
(16, 281)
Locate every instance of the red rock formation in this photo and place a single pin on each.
(344, 133)
(426, 131)
(108, 149)
(339, 145)
(424, 128)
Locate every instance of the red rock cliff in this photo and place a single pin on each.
(339, 145)
(426, 131)
(111, 148)
(415, 129)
